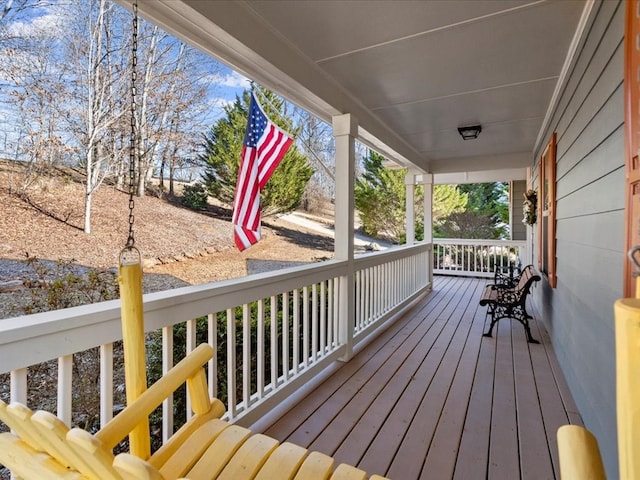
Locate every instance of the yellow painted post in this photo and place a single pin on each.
(579, 454)
(627, 318)
(132, 311)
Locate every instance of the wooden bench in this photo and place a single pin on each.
(508, 276)
(42, 447)
(504, 301)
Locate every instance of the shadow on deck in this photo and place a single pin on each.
(432, 398)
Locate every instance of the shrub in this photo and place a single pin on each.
(195, 196)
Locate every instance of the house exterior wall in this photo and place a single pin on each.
(590, 181)
(518, 229)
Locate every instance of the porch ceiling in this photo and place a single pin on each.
(410, 71)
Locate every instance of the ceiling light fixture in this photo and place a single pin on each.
(469, 133)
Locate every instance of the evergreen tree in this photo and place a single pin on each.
(447, 200)
(223, 147)
(380, 198)
(489, 202)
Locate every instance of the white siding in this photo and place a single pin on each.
(590, 225)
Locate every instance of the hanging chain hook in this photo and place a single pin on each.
(133, 134)
(635, 260)
(130, 254)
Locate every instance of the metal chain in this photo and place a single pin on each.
(132, 138)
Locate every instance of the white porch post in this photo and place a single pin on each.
(410, 215)
(345, 128)
(426, 179)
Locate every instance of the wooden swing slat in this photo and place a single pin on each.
(181, 446)
(283, 463)
(188, 453)
(55, 431)
(93, 453)
(31, 463)
(316, 466)
(131, 467)
(249, 458)
(221, 450)
(347, 472)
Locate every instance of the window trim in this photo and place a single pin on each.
(548, 178)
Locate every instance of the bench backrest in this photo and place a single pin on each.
(527, 278)
(90, 456)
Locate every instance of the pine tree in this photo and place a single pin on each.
(488, 206)
(223, 147)
(380, 198)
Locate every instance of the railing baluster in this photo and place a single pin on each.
(167, 364)
(246, 355)
(305, 327)
(212, 339)
(231, 363)
(331, 313)
(295, 337)
(106, 383)
(357, 277)
(65, 381)
(189, 347)
(314, 322)
(323, 318)
(260, 350)
(274, 342)
(18, 379)
(367, 295)
(285, 335)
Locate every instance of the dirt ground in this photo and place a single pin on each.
(179, 246)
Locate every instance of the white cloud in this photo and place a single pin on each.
(47, 25)
(219, 102)
(215, 107)
(232, 80)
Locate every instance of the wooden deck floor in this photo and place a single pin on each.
(431, 398)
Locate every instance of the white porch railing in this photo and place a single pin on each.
(280, 329)
(475, 258)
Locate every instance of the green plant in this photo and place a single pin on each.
(63, 284)
(195, 196)
(57, 285)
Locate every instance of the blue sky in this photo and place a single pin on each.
(223, 85)
(229, 83)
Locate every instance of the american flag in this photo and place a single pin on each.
(263, 148)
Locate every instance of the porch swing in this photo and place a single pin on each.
(41, 446)
(578, 449)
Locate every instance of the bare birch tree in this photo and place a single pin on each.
(31, 83)
(93, 87)
(173, 104)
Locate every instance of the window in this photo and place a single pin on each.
(547, 213)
